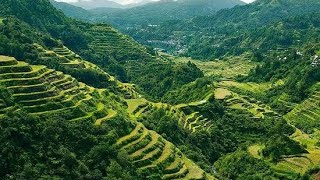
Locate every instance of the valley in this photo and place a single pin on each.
(233, 93)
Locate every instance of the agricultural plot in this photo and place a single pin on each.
(128, 90)
(249, 86)
(221, 93)
(191, 122)
(302, 162)
(46, 93)
(108, 41)
(157, 158)
(306, 115)
(67, 58)
(134, 103)
(226, 68)
(256, 150)
(237, 101)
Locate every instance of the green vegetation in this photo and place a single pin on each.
(230, 67)
(63, 103)
(157, 78)
(251, 114)
(305, 115)
(191, 92)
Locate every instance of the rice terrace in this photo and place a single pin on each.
(160, 90)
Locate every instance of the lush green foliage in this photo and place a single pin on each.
(48, 146)
(241, 165)
(36, 148)
(157, 78)
(230, 131)
(188, 93)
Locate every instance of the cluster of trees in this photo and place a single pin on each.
(55, 148)
(157, 78)
(190, 92)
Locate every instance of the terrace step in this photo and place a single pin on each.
(68, 113)
(63, 94)
(149, 158)
(35, 95)
(194, 122)
(175, 166)
(135, 134)
(189, 117)
(26, 81)
(153, 144)
(180, 174)
(144, 135)
(7, 61)
(29, 88)
(19, 75)
(20, 67)
(167, 156)
(111, 114)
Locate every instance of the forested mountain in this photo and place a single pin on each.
(71, 10)
(82, 100)
(213, 35)
(157, 12)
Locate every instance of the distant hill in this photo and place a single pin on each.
(71, 10)
(154, 13)
(91, 4)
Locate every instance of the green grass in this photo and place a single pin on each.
(252, 87)
(251, 105)
(134, 103)
(256, 150)
(194, 171)
(154, 141)
(228, 68)
(221, 93)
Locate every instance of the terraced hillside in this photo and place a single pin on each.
(68, 59)
(45, 92)
(108, 42)
(191, 121)
(74, 64)
(156, 158)
(48, 93)
(306, 116)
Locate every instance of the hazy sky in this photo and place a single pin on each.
(134, 1)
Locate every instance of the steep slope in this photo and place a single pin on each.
(46, 93)
(71, 10)
(36, 13)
